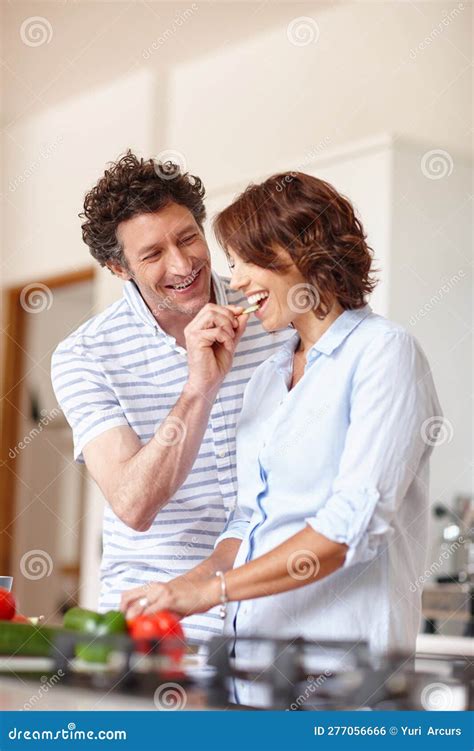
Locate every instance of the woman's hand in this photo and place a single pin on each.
(181, 595)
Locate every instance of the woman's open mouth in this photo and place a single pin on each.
(187, 286)
(260, 299)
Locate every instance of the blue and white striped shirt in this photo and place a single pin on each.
(121, 368)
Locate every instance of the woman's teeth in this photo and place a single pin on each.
(257, 298)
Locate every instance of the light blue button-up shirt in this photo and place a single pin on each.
(345, 451)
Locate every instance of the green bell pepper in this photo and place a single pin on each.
(95, 624)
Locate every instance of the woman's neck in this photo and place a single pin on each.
(311, 328)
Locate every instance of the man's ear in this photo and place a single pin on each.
(118, 270)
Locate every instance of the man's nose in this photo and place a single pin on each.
(178, 262)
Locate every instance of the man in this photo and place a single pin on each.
(146, 386)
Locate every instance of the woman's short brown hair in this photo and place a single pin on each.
(316, 225)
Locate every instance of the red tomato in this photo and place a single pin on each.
(174, 643)
(168, 624)
(163, 627)
(143, 627)
(7, 605)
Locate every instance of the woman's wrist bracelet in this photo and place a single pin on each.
(223, 597)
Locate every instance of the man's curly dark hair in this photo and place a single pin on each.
(132, 186)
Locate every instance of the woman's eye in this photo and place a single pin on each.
(230, 262)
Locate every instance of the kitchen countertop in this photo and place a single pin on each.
(447, 645)
(21, 692)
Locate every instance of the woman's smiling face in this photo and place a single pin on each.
(277, 292)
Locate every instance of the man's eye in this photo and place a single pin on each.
(153, 256)
(188, 239)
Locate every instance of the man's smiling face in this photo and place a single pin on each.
(168, 259)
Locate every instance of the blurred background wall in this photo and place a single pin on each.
(375, 96)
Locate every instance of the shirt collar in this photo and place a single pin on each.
(284, 354)
(339, 331)
(143, 312)
(332, 338)
(138, 304)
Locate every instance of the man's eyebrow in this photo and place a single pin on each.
(188, 228)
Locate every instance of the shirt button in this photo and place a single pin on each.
(222, 454)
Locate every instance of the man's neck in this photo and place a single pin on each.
(175, 324)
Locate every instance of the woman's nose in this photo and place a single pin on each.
(238, 281)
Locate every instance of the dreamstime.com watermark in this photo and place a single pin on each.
(302, 31)
(170, 697)
(437, 297)
(46, 684)
(71, 733)
(36, 564)
(170, 164)
(436, 565)
(167, 302)
(27, 439)
(435, 32)
(44, 154)
(313, 685)
(186, 549)
(178, 21)
(302, 565)
(437, 697)
(308, 159)
(171, 431)
(437, 164)
(436, 430)
(36, 31)
(303, 297)
(36, 297)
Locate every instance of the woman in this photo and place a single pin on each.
(332, 454)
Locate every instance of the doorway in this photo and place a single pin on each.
(42, 488)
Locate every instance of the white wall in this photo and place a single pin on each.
(432, 290)
(237, 110)
(219, 82)
(52, 159)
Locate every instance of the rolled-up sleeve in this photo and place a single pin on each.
(392, 399)
(236, 526)
(85, 396)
